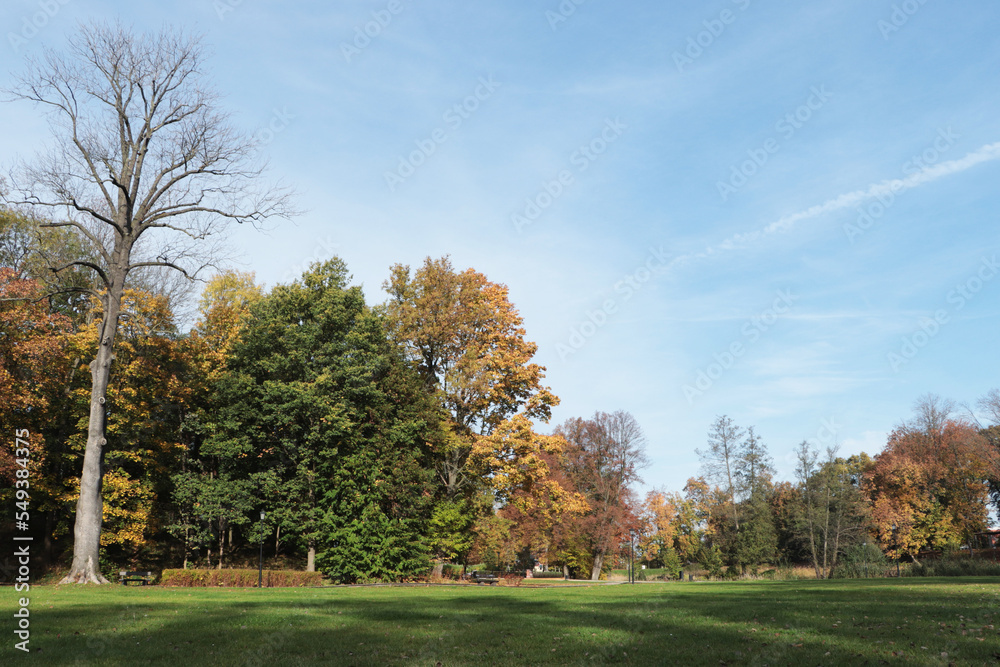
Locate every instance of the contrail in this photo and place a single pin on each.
(893, 186)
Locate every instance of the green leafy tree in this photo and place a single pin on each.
(829, 512)
(320, 407)
(757, 539)
(450, 529)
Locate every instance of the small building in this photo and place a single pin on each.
(988, 539)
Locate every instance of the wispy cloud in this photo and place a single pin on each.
(893, 186)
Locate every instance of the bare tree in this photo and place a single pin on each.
(719, 461)
(990, 404)
(931, 413)
(147, 170)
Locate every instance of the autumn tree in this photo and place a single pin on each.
(527, 478)
(603, 458)
(658, 520)
(674, 522)
(467, 342)
(33, 368)
(670, 532)
(466, 339)
(30, 249)
(928, 487)
(145, 168)
(990, 406)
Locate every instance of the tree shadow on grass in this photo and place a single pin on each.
(684, 624)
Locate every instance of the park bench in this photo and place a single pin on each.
(143, 578)
(484, 577)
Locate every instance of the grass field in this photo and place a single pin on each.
(868, 622)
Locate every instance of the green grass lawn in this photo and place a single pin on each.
(800, 623)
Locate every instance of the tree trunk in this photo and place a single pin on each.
(90, 506)
(311, 557)
(438, 571)
(595, 573)
(565, 571)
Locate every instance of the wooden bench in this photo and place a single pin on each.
(142, 578)
(484, 577)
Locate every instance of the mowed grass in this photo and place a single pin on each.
(909, 621)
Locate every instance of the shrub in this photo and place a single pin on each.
(710, 558)
(955, 567)
(671, 564)
(510, 579)
(861, 561)
(551, 574)
(240, 578)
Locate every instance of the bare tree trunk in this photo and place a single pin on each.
(311, 558)
(836, 545)
(222, 542)
(595, 573)
(826, 531)
(89, 509)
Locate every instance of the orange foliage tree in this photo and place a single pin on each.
(927, 489)
(33, 373)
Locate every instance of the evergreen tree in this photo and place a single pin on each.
(321, 412)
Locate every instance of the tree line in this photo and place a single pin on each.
(928, 492)
(382, 442)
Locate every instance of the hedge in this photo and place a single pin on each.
(240, 578)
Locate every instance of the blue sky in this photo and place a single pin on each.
(785, 214)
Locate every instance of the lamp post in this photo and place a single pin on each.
(865, 552)
(631, 556)
(260, 563)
